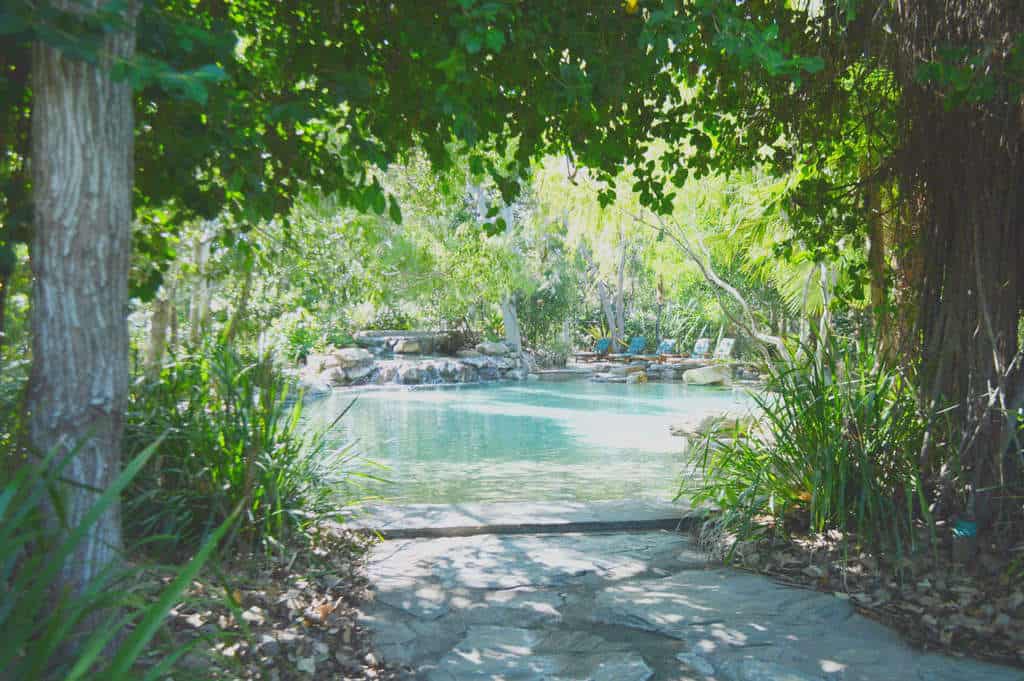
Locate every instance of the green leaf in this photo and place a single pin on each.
(394, 211)
(495, 40)
(155, 614)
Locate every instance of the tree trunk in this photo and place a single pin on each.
(605, 298)
(82, 134)
(173, 335)
(160, 321)
(745, 321)
(620, 292)
(199, 305)
(241, 306)
(508, 315)
(660, 300)
(876, 253)
(963, 162)
(609, 313)
(5, 284)
(878, 268)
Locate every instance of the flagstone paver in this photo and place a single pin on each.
(622, 606)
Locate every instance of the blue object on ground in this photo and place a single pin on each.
(965, 528)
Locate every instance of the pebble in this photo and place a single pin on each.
(269, 646)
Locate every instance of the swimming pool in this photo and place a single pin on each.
(523, 441)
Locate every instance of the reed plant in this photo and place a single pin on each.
(99, 631)
(234, 437)
(837, 447)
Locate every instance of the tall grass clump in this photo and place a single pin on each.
(837, 448)
(233, 438)
(97, 632)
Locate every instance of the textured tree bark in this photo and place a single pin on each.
(199, 305)
(620, 291)
(159, 323)
(963, 162)
(876, 251)
(884, 322)
(511, 320)
(609, 314)
(82, 128)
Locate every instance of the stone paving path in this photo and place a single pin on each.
(621, 606)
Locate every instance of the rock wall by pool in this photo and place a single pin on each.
(357, 366)
(404, 342)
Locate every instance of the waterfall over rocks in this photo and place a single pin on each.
(403, 358)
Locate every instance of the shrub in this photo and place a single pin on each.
(13, 376)
(839, 450)
(233, 437)
(52, 634)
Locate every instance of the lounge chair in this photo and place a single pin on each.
(702, 348)
(601, 348)
(636, 347)
(663, 351)
(723, 350)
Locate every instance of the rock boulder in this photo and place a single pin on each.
(710, 375)
(357, 373)
(347, 358)
(488, 348)
(407, 346)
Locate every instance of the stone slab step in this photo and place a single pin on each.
(463, 520)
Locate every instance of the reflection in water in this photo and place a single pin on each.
(523, 441)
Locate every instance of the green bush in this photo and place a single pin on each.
(48, 633)
(233, 437)
(839, 450)
(13, 376)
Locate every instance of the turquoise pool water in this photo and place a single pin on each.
(530, 441)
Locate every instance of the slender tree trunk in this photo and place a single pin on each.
(508, 315)
(609, 313)
(660, 299)
(241, 310)
(199, 305)
(876, 253)
(5, 284)
(82, 134)
(620, 292)
(877, 265)
(159, 324)
(604, 296)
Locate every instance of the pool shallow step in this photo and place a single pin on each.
(462, 520)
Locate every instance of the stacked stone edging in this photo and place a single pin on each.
(358, 366)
